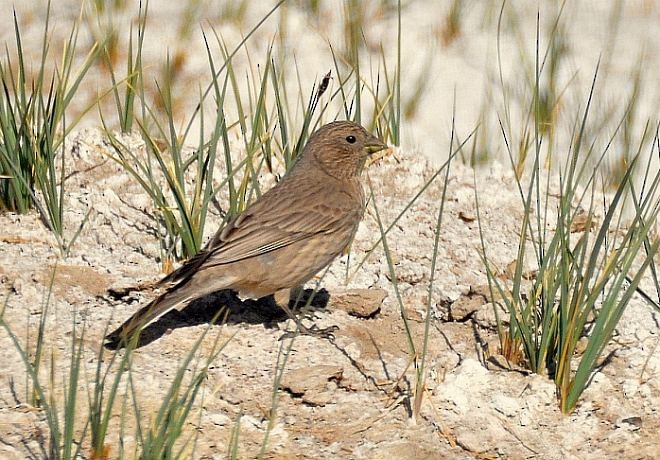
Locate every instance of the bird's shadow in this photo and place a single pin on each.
(225, 307)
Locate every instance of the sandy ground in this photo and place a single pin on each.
(344, 398)
(341, 398)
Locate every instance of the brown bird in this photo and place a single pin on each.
(282, 239)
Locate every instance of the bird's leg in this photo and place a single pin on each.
(283, 299)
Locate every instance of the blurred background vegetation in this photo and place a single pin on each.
(482, 51)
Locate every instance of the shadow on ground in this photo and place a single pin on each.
(225, 307)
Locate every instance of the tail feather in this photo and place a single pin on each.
(151, 312)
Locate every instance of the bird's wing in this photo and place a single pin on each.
(282, 216)
(272, 224)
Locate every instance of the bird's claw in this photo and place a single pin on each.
(314, 331)
(325, 333)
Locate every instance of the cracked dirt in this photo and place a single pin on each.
(342, 398)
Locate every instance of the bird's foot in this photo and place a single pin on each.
(314, 331)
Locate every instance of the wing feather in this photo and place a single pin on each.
(279, 219)
(284, 215)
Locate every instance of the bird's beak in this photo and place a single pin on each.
(374, 145)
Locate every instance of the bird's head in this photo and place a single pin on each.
(341, 148)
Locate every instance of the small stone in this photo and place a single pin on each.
(465, 306)
(413, 315)
(485, 316)
(484, 291)
(318, 399)
(232, 398)
(361, 303)
(310, 380)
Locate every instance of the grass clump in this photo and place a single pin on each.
(33, 128)
(586, 269)
(586, 274)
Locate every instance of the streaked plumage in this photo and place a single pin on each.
(286, 236)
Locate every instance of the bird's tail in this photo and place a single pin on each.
(170, 299)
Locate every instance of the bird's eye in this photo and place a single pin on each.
(350, 139)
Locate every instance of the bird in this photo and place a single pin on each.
(284, 237)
